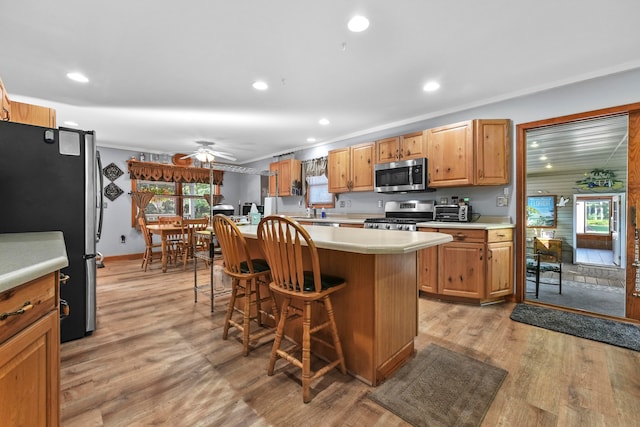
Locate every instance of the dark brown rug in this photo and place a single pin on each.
(440, 387)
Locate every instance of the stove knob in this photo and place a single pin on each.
(388, 227)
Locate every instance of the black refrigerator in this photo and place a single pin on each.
(52, 181)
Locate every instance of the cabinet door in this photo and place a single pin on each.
(284, 178)
(273, 167)
(428, 270)
(492, 149)
(362, 167)
(461, 269)
(413, 146)
(451, 155)
(499, 269)
(29, 375)
(388, 150)
(338, 164)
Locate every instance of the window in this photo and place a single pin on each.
(593, 215)
(318, 192)
(164, 201)
(167, 196)
(196, 207)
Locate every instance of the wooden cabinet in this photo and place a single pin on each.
(33, 114)
(5, 104)
(405, 147)
(289, 178)
(475, 152)
(476, 265)
(351, 168)
(30, 354)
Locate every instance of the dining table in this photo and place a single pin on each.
(165, 230)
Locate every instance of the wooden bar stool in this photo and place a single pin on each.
(283, 242)
(245, 273)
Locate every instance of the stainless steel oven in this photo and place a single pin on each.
(404, 215)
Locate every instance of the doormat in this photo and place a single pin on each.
(593, 328)
(440, 387)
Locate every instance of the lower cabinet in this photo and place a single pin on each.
(476, 265)
(30, 354)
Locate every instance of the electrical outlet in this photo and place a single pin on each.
(104, 205)
(502, 201)
(342, 203)
(348, 203)
(379, 203)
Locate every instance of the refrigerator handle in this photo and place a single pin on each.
(101, 179)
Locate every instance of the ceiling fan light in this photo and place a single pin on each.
(205, 157)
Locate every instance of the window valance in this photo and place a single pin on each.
(149, 171)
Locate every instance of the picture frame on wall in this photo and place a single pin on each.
(541, 211)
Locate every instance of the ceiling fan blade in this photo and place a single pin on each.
(188, 156)
(227, 156)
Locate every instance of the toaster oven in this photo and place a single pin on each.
(452, 213)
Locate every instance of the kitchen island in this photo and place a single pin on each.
(377, 312)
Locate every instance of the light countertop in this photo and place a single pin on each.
(484, 223)
(365, 241)
(27, 256)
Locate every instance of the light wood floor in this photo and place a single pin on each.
(157, 358)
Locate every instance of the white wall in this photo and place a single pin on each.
(616, 89)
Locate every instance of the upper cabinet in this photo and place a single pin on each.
(33, 114)
(475, 152)
(351, 168)
(289, 178)
(405, 147)
(5, 104)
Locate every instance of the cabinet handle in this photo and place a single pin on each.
(64, 278)
(25, 307)
(461, 236)
(489, 255)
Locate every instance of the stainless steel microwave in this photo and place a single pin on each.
(401, 176)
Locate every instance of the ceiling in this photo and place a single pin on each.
(579, 146)
(164, 74)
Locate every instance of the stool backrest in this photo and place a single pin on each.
(233, 245)
(284, 242)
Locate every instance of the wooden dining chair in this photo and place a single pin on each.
(286, 245)
(246, 275)
(150, 246)
(176, 243)
(192, 227)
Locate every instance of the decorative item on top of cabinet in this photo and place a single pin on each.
(5, 103)
(33, 114)
(405, 147)
(475, 152)
(289, 178)
(351, 168)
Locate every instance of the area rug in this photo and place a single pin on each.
(593, 328)
(440, 387)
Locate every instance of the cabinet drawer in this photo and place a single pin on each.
(42, 295)
(500, 235)
(465, 235)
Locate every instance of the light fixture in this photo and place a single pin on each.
(534, 144)
(543, 157)
(548, 166)
(78, 77)
(324, 121)
(358, 24)
(431, 86)
(205, 156)
(311, 140)
(260, 85)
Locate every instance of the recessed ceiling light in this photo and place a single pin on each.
(548, 166)
(358, 23)
(311, 140)
(260, 85)
(431, 86)
(78, 77)
(70, 123)
(543, 158)
(324, 122)
(534, 144)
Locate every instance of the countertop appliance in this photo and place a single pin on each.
(52, 182)
(453, 213)
(247, 207)
(223, 209)
(403, 215)
(401, 176)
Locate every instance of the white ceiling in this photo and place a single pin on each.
(164, 74)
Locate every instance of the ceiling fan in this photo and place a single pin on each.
(206, 154)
